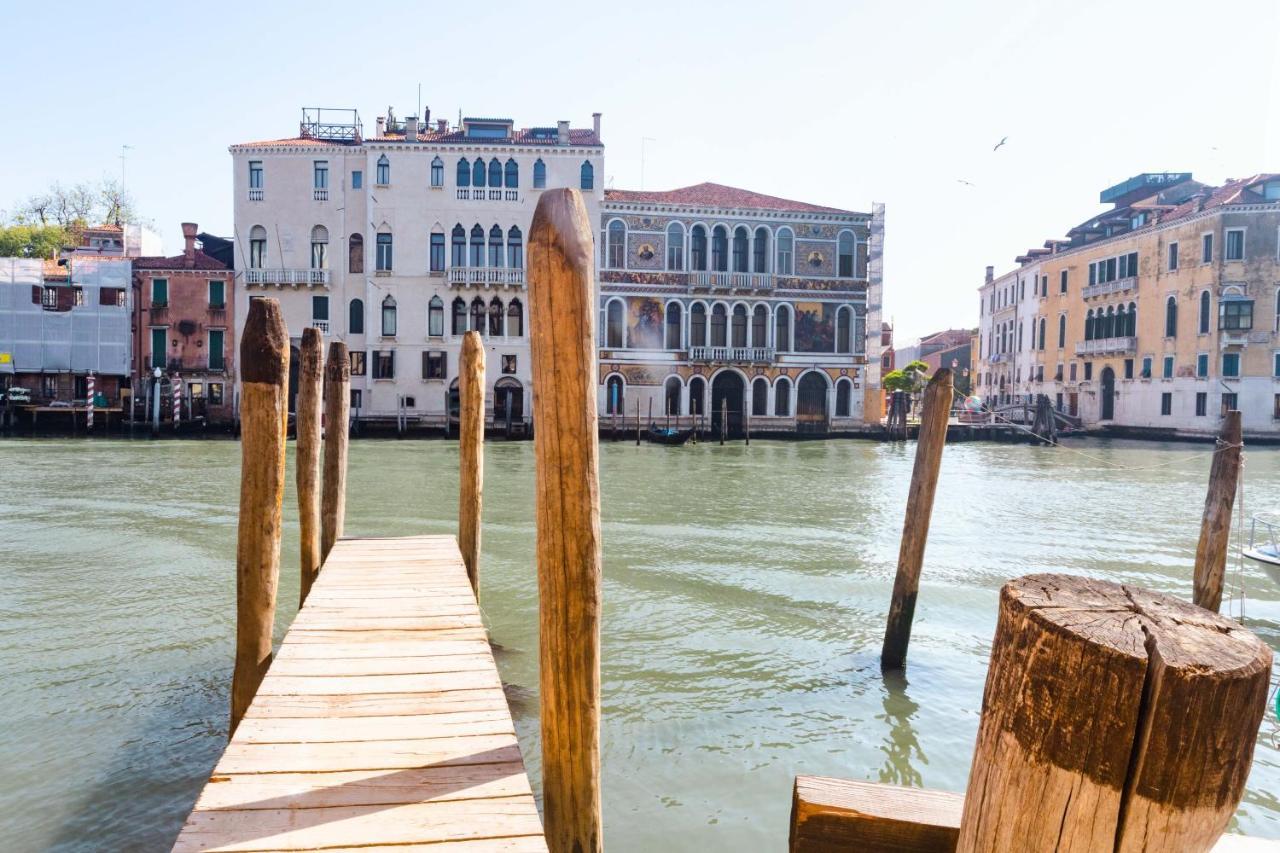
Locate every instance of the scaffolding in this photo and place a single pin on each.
(332, 124)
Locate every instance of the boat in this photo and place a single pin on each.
(1264, 542)
(661, 435)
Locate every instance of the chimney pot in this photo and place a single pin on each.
(382, 126)
(991, 274)
(410, 128)
(189, 237)
(562, 132)
(595, 123)
(442, 125)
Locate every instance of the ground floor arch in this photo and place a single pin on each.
(728, 393)
(811, 402)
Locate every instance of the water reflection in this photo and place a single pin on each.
(901, 746)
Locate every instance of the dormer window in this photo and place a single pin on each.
(487, 129)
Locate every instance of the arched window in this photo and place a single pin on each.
(697, 248)
(539, 174)
(1171, 317)
(697, 395)
(614, 395)
(719, 321)
(1041, 347)
(515, 319)
(675, 246)
(257, 247)
(459, 316)
(355, 253)
(458, 242)
(477, 315)
(437, 172)
(1062, 331)
(383, 258)
(1088, 325)
(319, 248)
(760, 397)
(760, 327)
(842, 330)
(845, 249)
(495, 247)
(1204, 313)
(698, 325)
(384, 171)
(782, 398)
(740, 240)
(495, 173)
(355, 317)
(389, 317)
(435, 317)
(1121, 322)
(671, 396)
(1132, 320)
(739, 325)
(786, 246)
(508, 400)
(477, 246)
(720, 249)
(477, 173)
(782, 328)
(616, 245)
(760, 251)
(515, 249)
(614, 314)
(674, 322)
(844, 396)
(464, 173)
(511, 174)
(587, 176)
(496, 315)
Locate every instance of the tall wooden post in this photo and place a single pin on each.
(337, 408)
(932, 437)
(724, 419)
(562, 320)
(1114, 718)
(1215, 527)
(638, 420)
(264, 372)
(309, 405)
(471, 454)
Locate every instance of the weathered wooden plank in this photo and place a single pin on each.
(375, 704)
(340, 650)
(431, 682)
(495, 720)
(385, 665)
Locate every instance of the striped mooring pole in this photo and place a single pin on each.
(88, 415)
(177, 399)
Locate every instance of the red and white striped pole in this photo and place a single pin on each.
(88, 415)
(177, 400)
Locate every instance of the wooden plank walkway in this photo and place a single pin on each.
(381, 723)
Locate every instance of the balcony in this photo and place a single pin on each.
(280, 278)
(732, 280)
(322, 325)
(737, 355)
(1120, 285)
(319, 194)
(481, 194)
(487, 276)
(255, 195)
(1107, 346)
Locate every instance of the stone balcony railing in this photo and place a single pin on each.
(481, 194)
(1107, 346)
(281, 277)
(740, 355)
(1120, 285)
(487, 276)
(732, 280)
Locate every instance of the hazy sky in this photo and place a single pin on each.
(838, 103)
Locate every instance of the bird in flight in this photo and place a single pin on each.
(966, 183)
(1000, 143)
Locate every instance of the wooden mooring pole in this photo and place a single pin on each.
(562, 319)
(931, 438)
(337, 409)
(471, 454)
(309, 407)
(1215, 527)
(724, 418)
(264, 370)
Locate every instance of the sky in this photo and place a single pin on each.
(835, 103)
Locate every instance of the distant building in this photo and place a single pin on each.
(126, 241)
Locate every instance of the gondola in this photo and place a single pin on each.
(1264, 542)
(660, 435)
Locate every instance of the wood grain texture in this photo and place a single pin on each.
(308, 408)
(1215, 527)
(264, 417)
(567, 490)
(337, 410)
(471, 453)
(915, 528)
(1111, 716)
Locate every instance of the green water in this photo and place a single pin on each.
(745, 592)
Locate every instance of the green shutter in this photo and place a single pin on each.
(217, 294)
(158, 338)
(215, 349)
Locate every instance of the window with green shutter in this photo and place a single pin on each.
(158, 349)
(159, 292)
(216, 360)
(217, 294)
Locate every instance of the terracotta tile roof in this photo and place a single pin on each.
(521, 136)
(294, 142)
(1232, 192)
(718, 195)
(179, 262)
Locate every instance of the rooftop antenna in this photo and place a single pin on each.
(419, 112)
(643, 140)
(123, 155)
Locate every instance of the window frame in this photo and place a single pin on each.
(1227, 254)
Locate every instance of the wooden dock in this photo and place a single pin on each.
(381, 722)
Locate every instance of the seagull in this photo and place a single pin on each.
(1001, 142)
(966, 183)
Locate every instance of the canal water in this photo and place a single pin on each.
(745, 593)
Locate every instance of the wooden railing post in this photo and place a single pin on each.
(337, 408)
(264, 374)
(309, 405)
(471, 454)
(1215, 527)
(930, 440)
(1113, 718)
(562, 320)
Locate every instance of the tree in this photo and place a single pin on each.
(117, 203)
(32, 241)
(910, 378)
(74, 207)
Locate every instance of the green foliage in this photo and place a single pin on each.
(33, 241)
(910, 378)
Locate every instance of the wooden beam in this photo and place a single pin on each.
(1215, 527)
(471, 454)
(309, 407)
(337, 409)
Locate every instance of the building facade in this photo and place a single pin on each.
(1006, 312)
(400, 243)
(717, 299)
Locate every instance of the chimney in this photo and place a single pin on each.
(442, 125)
(382, 126)
(410, 128)
(189, 236)
(595, 123)
(562, 132)
(991, 274)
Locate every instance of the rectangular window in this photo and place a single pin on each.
(1202, 365)
(1173, 256)
(357, 180)
(159, 346)
(1275, 370)
(215, 393)
(437, 253)
(217, 294)
(1166, 403)
(1275, 408)
(1088, 371)
(1202, 404)
(437, 172)
(1235, 315)
(508, 363)
(1206, 249)
(357, 357)
(1146, 367)
(216, 360)
(159, 292)
(1128, 368)
(434, 364)
(384, 364)
(1235, 244)
(1073, 372)
(384, 252)
(255, 175)
(320, 175)
(319, 309)
(357, 397)
(257, 252)
(1229, 403)
(1062, 282)
(1168, 367)
(1230, 365)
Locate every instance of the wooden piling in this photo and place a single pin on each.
(264, 372)
(1215, 527)
(562, 320)
(724, 418)
(931, 438)
(1113, 718)
(337, 408)
(638, 421)
(471, 373)
(308, 407)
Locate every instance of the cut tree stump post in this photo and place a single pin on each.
(931, 438)
(1113, 718)
(567, 488)
(1215, 527)
(471, 454)
(337, 409)
(264, 371)
(309, 406)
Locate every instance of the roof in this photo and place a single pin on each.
(580, 136)
(179, 262)
(718, 195)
